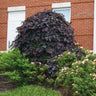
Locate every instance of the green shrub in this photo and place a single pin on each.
(76, 76)
(65, 59)
(80, 78)
(38, 73)
(14, 65)
(56, 63)
(12, 60)
(20, 70)
(5, 61)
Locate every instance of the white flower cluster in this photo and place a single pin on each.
(76, 62)
(85, 60)
(64, 68)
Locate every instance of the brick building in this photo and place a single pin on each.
(81, 14)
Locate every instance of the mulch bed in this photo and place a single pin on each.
(5, 85)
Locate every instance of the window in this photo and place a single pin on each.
(15, 17)
(63, 8)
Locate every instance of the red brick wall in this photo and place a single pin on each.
(82, 17)
(3, 28)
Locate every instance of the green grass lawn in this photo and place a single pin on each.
(31, 90)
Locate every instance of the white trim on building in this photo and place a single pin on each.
(3, 51)
(61, 5)
(18, 8)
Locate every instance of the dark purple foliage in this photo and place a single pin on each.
(52, 69)
(44, 36)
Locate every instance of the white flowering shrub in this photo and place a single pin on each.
(81, 77)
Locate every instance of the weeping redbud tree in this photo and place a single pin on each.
(45, 35)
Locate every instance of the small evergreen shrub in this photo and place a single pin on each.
(15, 66)
(44, 36)
(20, 70)
(4, 57)
(11, 60)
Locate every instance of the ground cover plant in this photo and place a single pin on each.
(31, 90)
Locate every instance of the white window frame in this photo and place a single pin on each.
(59, 6)
(17, 8)
(14, 9)
(94, 33)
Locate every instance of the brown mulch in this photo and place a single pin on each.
(5, 85)
(64, 91)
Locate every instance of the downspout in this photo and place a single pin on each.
(94, 34)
